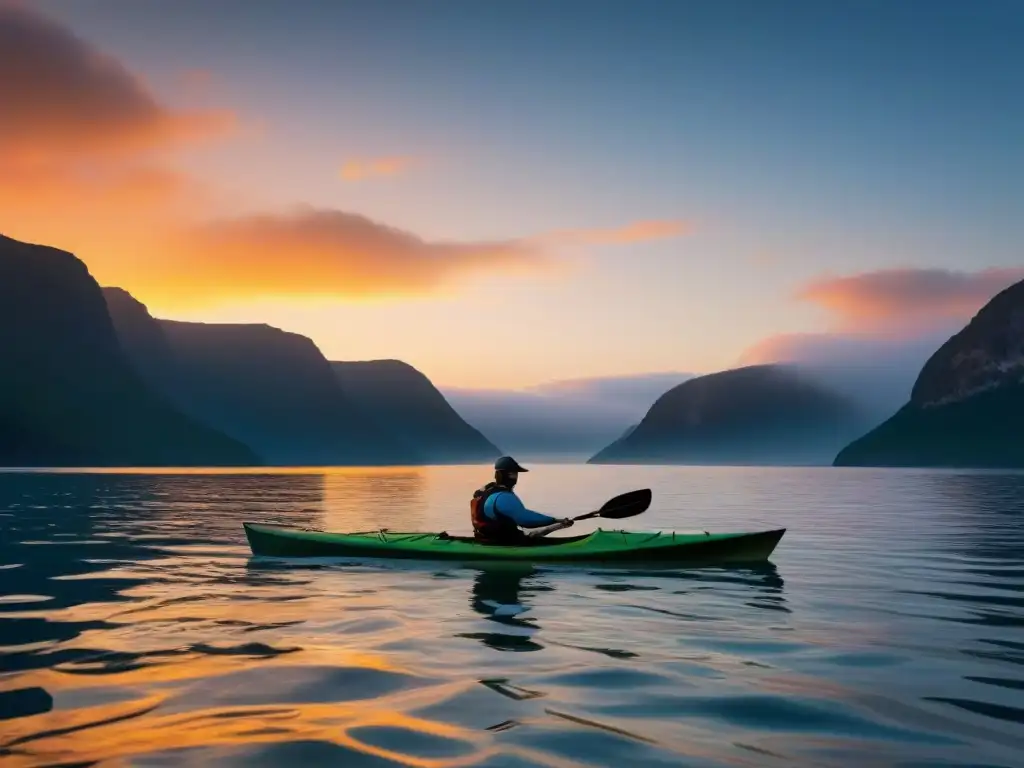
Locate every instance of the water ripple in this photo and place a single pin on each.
(136, 627)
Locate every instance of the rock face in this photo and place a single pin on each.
(762, 414)
(68, 394)
(408, 405)
(271, 389)
(141, 337)
(967, 405)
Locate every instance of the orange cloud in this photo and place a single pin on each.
(73, 100)
(907, 298)
(327, 252)
(82, 140)
(314, 252)
(635, 232)
(80, 166)
(84, 188)
(358, 170)
(80, 163)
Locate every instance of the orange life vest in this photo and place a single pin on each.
(496, 530)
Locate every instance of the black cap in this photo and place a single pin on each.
(508, 464)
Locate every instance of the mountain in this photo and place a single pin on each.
(407, 404)
(272, 389)
(967, 406)
(629, 431)
(762, 414)
(561, 420)
(142, 338)
(68, 394)
(277, 392)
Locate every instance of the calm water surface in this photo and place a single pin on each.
(136, 629)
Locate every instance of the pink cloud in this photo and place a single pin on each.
(907, 299)
(887, 324)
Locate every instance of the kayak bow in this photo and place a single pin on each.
(599, 546)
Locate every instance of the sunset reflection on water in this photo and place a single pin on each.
(135, 626)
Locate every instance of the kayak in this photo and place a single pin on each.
(599, 546)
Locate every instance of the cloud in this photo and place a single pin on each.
(313, 251)
(874, 370)
(635, 232)
(83, 163)
(80, 153)
(571, 418)
(886, 325)
(88, 190)
(907, 299)
(361, 169)
(73, 100)
(628, 392)
(322, 252)
(836, 349)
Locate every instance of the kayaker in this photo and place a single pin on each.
(498, 514)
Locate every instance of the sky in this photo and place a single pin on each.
(510, 193)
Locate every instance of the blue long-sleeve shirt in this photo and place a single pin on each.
(510, 506)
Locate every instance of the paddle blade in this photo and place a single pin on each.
(626, 505)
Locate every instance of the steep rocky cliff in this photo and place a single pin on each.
(272, 389)
(967, 405)
(68, 395)
(141, 337)
(277, 392)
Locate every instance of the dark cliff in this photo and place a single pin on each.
(967, 406)
(141, 337)
(68, 395)
(272, 389)
(406, 403)
(763, 414)
(277, 392)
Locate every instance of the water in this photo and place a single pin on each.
(135, 628)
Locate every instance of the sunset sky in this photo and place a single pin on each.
(503, 193)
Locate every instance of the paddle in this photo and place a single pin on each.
(626, 505)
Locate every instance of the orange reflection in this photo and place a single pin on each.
(378, 497)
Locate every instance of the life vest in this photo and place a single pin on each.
(492, 530)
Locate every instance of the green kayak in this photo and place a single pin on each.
(599, 546)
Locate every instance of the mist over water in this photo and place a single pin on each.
(887, 631)
(875, 372)
(562, 421)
